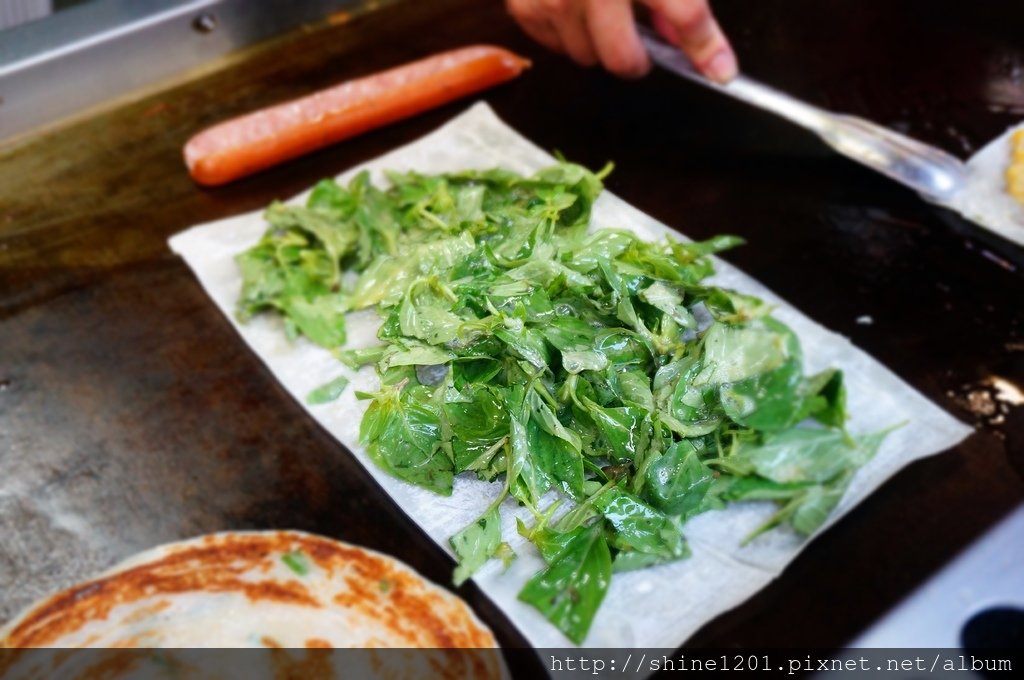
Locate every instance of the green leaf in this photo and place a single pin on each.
(544, 272)
(547, 419)
(567, 333)
(570, 590)
(606, 244)
(548, 541)
(526, 344)
(336, 237)
(357, 358)
(479, 423)
(529, 476)
(631, 560)
(670, 301)
(825, 398)
(773, 400)
(759, 489)
(634, 389)
(476, 543)
(807, 509)
(327, 392)
(263, 280)
(415, 355)
(475, 371)
(693, 408)
(622, 347)
(626, 429)
(806, 455)
(558, 456)
(639, 527)
(715, 244)
(331, 200)
(321, 320)
(735, 353)
(297, 561)
(402, 435)
(581, 184)
(577, 361)
(815, 507)
(427, 315)
(677, 482)
(386, 278)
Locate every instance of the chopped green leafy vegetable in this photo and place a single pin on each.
(570, 590)
(402, 433)
(327, 392)
(522, 348)
(479, 542)
(297, 561)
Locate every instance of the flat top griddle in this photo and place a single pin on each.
(132, 415)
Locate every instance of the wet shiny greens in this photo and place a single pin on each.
(597, 377)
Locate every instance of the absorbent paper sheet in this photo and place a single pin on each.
(984, 199)
(657, 607)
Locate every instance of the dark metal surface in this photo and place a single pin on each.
(109, 48)
(131, 414)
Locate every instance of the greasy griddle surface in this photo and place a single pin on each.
(131, 414)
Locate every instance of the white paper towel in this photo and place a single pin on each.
(984, 199)
(657, 607)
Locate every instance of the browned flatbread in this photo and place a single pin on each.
(261, 589)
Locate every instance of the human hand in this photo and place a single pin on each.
(604, 31)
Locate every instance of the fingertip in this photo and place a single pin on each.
(581, 53)
(722, 67)
(627, 63)
(634, 70)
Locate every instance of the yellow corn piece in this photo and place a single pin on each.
(1015, 173)
(1017, 147)
(1015, 181)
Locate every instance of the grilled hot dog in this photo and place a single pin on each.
(259, 140)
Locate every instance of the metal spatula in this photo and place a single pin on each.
(933, 173)
(975, 189)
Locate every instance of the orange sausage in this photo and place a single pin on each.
(256, 141)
